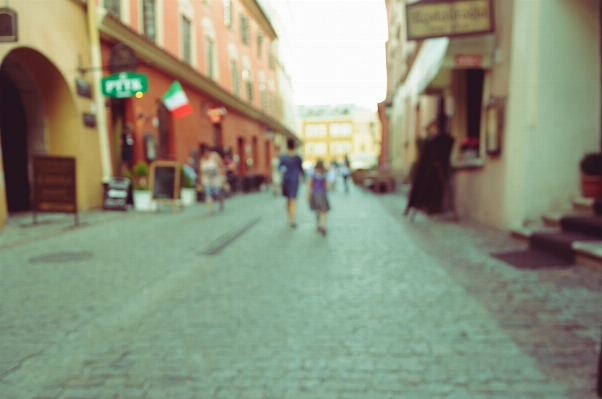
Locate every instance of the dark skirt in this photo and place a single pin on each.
(289, 188)
(319, 202)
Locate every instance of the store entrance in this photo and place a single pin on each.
(13, 136)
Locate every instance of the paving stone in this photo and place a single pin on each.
(369, 311)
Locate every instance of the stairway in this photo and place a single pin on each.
(574, 237)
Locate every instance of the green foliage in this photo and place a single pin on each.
(591, 164)
(187, 180)
(141, 169)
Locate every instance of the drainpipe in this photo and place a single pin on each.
(101, 114)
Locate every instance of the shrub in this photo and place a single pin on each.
(591, 164)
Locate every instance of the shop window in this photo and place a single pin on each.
(466, 121)
(149, 21)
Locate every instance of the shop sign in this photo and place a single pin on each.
(216, 114)
(83, 88)
(8, 25)
(116, 194)
(54, 188)
(439, 18)
(122, 59)
(124, 84)
(467, 61)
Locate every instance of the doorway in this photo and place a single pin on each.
(13, 136)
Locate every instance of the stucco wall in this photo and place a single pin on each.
(554, 104)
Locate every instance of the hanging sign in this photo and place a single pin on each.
(124, 84)
(8, 25)
(216, 114)
(439, 18)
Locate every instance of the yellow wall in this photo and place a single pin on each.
(53, 38)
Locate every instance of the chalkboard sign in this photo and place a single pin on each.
(165, 181)
(116, 194)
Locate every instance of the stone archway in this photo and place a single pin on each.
(37, 116)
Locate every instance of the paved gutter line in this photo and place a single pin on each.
(227, 238)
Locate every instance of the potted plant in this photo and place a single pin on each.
(188, 190)
(469, 147)
(591, 175)
(141, 193)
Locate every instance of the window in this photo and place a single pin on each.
(315, 130)
(320, 149)
(259, 44)
(340, 147)
(210, 57)
(148, 23)
(310, 149)
(228, 13)
(246, 76)
(467, 87)
(186, 37)
(235, 77)
(340, 129)
(113, 7)
(271, 56)
(264, 97)
(244, 29)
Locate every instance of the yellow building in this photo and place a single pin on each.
(332, 132)
(46, 105)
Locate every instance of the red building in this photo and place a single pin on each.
(223, 54)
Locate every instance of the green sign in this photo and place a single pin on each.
(124, 84)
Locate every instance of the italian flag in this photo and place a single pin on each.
(176, 102)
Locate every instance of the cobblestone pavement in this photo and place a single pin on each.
(131, 306)
(553, 314)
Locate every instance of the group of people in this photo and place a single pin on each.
(286, 177)
(287, 173)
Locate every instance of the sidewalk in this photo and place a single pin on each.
(554, 315)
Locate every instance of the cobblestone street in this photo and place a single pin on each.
(238, 305)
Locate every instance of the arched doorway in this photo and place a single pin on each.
(13, 136)
(37, 117)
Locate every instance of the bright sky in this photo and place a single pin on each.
(339, 48)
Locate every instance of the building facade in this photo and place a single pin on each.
(222, 52)
(520, 95)
(332, 132)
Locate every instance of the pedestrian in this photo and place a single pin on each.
(318, 201)
(276, 173)
(292, 170)
(212, 175)
(345, 172)
(331, 176)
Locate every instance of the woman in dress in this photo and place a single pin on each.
(292, 170)
(212, 175)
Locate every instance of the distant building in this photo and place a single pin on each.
(332, 132)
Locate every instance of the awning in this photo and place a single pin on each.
(432, 70)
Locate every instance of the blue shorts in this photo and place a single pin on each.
(212, 191)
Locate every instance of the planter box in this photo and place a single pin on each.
(188, 196)
(142, 201)
(591, 186)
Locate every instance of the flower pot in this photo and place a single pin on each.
(142, 201)
(188, 196)
(591, 186)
